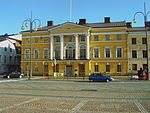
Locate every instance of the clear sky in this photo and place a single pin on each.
(14, 12)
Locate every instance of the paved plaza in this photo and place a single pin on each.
(74, 97)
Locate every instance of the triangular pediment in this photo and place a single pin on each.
(69, 27)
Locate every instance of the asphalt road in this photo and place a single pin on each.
(21, 96)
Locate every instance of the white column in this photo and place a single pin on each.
(87, 46)
(76, 46)
(51, 47)
(61, 47)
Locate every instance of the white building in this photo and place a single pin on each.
(8, 56)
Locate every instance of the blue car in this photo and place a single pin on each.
(99, 77)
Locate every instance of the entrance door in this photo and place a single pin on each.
(69, 70)
(81, 70)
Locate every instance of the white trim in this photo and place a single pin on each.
(121, 51)
(105, 52)
(68, 34)
(44, 54)
(68, 23)
(109, 33)
(61, 47)
(38, 53)
(98, 52)
(111, 41)
(76, 47)
(38, 36)
(110, 28)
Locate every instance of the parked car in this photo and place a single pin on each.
(99, 77)
(14, 75)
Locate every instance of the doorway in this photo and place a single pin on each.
(68, 70)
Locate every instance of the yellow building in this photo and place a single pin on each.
(137, 52)
(76, 49)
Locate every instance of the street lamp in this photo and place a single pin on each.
(145, 14)
(31, 22)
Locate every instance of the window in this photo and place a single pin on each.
(119, 52)
(57, 52)
(107, 52)
(10, 49)
(70, 52)
(107, 68)
(119, 68)
(5, 58)
(36, 68)
(107, 37)
(82, 52)
(144, 66)
(96, 68)
(82, 38)
(45, 68)
(144, 41)
(134, 67)
(70, 39)
(10, 59)
(27, 53)
(144, 53)
(134, 53)
(57, 39)
(36, 53)
(46, 40)
(119, 37)
(27, 41)
(5, 49)
(46, 53)
(96, 52)
(36, 40)
(56, 68)
(95, 37)
(133, 40)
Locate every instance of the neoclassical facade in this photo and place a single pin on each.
(76, 49)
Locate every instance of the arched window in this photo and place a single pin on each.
(82, 52)
(70, 52)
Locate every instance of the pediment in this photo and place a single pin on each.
(69, 27)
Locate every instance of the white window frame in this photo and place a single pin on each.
(105, 52)
(94, 52)
(25, 55)
(121, 52)
(46, 56)
(36, 49)
(96, 71)
(136, 53)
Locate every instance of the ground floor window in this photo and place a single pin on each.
(45, 68)
(107, 68)
(96, 68)
(119, 68)
(134, 67)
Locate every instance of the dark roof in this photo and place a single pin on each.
(106, 25)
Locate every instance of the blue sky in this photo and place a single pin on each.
(14, 12)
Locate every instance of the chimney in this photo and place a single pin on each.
(49, 23)
(128, 24)
(107, 19)
(82, 21)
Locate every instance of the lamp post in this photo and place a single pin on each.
(31, 22)
(145, 14)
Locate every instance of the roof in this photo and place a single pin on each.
(91, 25)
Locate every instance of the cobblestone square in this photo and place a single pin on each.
(74, 97)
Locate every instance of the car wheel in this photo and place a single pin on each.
(8, 76)
(107, 80)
